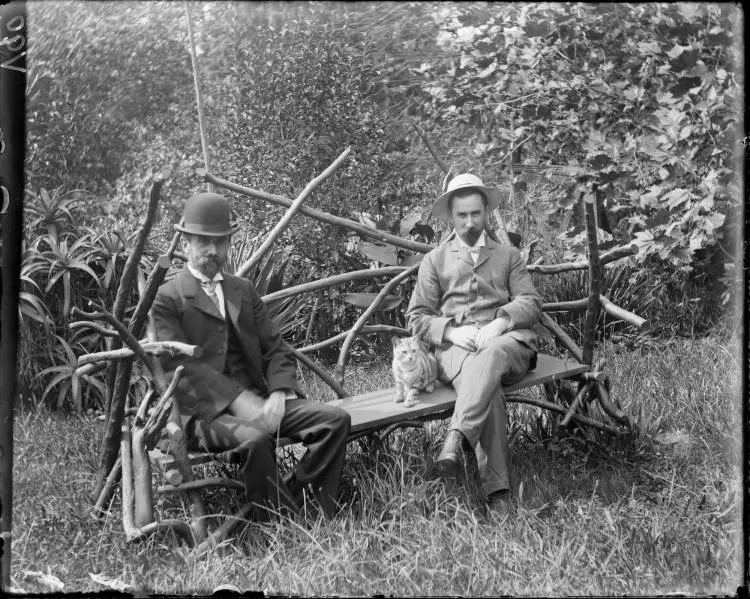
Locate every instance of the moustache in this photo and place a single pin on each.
(208, 261)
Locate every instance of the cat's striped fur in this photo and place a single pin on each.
(414, 369)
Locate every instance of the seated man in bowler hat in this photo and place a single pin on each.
(243, 391)
(475, 303)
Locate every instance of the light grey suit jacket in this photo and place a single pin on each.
(451, 289)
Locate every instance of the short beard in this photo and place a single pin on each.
(203, 266)
(471, 237)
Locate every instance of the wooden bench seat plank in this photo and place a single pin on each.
(375, 410)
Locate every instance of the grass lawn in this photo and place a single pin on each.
(662, 514)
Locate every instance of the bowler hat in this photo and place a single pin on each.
(465, 181)
(207, 214)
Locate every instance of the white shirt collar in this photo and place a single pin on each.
(201, 277)
(479, 244)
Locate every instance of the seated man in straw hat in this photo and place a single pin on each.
(243, 391)
(474, 301)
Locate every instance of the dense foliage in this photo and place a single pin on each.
(643, 98)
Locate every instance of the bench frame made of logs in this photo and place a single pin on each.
(375, 415)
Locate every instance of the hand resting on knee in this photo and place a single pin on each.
(494, 329)
(266, 413)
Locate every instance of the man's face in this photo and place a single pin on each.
(207, 254)
(468, 214)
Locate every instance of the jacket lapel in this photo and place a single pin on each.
(191, 289)
(233, 299)
(486, 252)
(460, 252)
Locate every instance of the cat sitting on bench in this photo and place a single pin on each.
(414, 369)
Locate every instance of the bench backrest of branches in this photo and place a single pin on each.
(367, 419)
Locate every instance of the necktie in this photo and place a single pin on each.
(210, 289)
(474, 253)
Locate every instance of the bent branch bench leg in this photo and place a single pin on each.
(584, 390)
(179, 451)
(610, 408)
(144, 502)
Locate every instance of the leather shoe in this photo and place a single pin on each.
(449, 459)
(500, 502)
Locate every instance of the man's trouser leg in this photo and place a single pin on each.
(324, 430)
(263, 484)
(480, 412)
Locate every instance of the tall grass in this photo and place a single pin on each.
(659, 515)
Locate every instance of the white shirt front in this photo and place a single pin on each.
(219, 288)
(473, 249)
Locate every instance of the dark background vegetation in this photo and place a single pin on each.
(645, 95)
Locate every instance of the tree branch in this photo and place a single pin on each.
(441, 163)
(563, 337)
(344, 353)
(622, 313)
(123, 332)
(286, 219)
(155, 279)
(367, 273)
(149, 347)
(131, 265)
(376, 328)
(325, 217)
(606, 258)
(338, 389)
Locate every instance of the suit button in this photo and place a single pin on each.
(221, 327)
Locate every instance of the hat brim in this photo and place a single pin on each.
(494, 199)
(196, 230)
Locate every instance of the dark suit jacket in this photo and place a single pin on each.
(451, 289)
(182, 311)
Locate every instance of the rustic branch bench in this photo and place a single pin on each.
(374, 414)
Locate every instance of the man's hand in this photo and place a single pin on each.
(248, 406)
(273, 410)
(464, 336)
(496, 328)
(264, 413)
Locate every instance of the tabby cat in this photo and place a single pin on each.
(414, 369)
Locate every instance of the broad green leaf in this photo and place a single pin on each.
(598, 85)
(676, 197)
(408, 221)
(673, 231)
(713, 221)
(363, 300)
(676, 50)
(649, 47)
(385, 254)
(412, 259)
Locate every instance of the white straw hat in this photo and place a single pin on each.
(465, 181)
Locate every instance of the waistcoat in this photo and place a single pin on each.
(234, 366)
